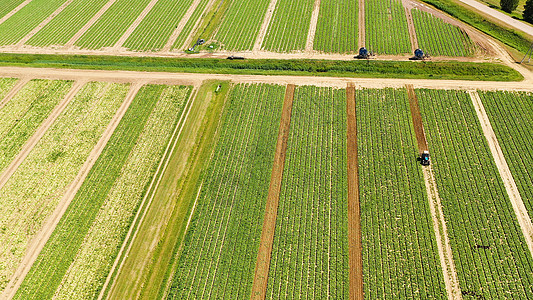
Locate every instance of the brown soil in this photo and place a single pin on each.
(180, 26)
(412, 30)
(40, 239)
(355, 259)
(362, 26)
(417, 119)
(134, 25)
(18, 86)
(271, 211)
(14, 11)
(264, 26)
(312, 27)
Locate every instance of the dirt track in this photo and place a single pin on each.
(355, 258)
(134, 25)
(40, 239)
(412, 30)
(180, 26)
(271, 211)
(362, 25)
(14, 11)
(312, 27)
(18, 86)
(264, 27)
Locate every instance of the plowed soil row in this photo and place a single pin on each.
(354, 212)
(271, 212)
(417, 119)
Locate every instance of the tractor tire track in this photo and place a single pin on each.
(362, 28)
(39, 241)
(411, 27)
(271, 212)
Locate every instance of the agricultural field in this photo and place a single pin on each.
(189, 27)
(310, 250)
(386, 27)
(6, 84)
(220, 248)
(337, 28)
(241, 24)
(489, 250)
(399, 243)
(438, 38)
(8, 5)
(76, 259)
(289, 26)
(511, 116)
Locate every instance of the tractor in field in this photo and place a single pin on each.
(364, 54)
(419, 55)
(424, 158)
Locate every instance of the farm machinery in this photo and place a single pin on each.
(364, 54)
(419, 55)
(198, 43)
(424, 158)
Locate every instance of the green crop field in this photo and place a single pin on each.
(437, 38)
(156, 28)
(99, 210)
(65, 25)
(6, 84)
(337, 27)
(189, 26)
(220, 248)
(310, 251)
(489, 250)
(241, 24)
(8, 5)
(289, 26)
(398, 238)
(386, 27)
(511, 116)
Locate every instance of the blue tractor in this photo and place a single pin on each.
(424, 158)
(419, 55)
(364, 53)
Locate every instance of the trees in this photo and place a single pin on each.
(508, 5)
(528, 11)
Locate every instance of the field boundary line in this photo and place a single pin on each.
(195, 28)
(14, 11)
(312, 28)
(14, 91)
(39, 133)
(42, 24)
(449, 271)
(411, 26)
(264, 253)
(184, 20)
(134, 25)
(150, 193)
(355, 252)
(89, 24)
(504, 171)
(362, 26)
(264, 26)
(39, 241)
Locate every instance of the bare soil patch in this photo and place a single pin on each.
(312, 27)
(412, 30)
(271, 211)
(417, 119)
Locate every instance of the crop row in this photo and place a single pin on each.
(400, 257)
(8, 5)
(310, 250)
(437, 37)
(112, 24)
(337, 27)
(6, 84)
(34, 190)
(511, 116)
(289, 26)
(220, 247)
(156, 28)
(190, 25)
(24, 113)
(92, 263)
(489, 249)
(25, 20)
(386, 27)
(62, 247)
(241, 24)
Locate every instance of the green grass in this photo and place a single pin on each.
(226, 227)
(25, 20)
(367, 69)
(310, 250)
(337, 27)
(511, 116)
(476, 206)
(386, 27)
(399, 243)
(241, 24)
(8, 6)
(438, 38)
(65, 25)
(289, 26)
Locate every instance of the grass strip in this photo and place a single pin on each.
(293, 67)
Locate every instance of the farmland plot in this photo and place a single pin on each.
(337, 27)
(112, 24)
(241, 24)
(437, 37)
(33, 191)
(25, 20)
(156, 28)
(220, 248)
(6, 84)
(65, 25)
(189, 26)
(8, 5)
(490, 254)
(75, 261)
(400, 257)
(288, 28)
(21, 116)
(511, 116)
(310, 250)
(386, 27)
